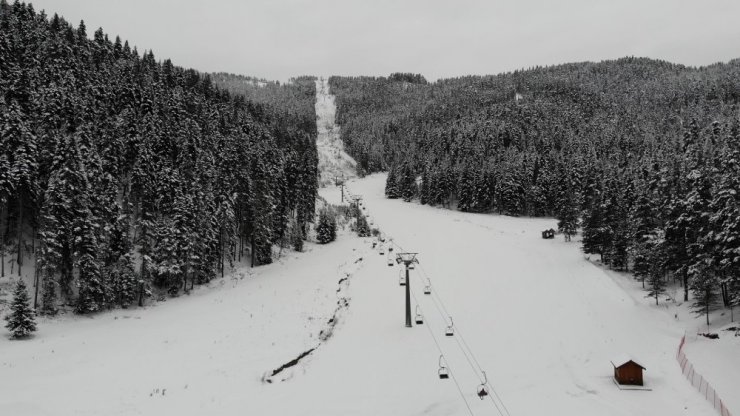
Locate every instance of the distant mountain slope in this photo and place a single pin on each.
(642, 153)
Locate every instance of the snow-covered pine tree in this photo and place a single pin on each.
(704, 286)
(653, 253)
(596, 234)
(391, 189)
(568, 212)
(326, 228)
(21, 321)
(363, 229)
(406, 182)
(724, 221)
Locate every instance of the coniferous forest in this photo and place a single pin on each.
(641, 154)
(122, 175)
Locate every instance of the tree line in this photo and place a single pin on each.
(640, 154)
(125, 175)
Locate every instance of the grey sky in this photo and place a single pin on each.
(278, 39)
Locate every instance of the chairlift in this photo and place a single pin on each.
(419, 317)
(428, 287)
(482, 389)
(450, 331)
(443, 372)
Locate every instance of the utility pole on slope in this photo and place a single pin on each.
(407, 259)
(340, 183)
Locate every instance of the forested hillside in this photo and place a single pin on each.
(121, 174)
(644, 152)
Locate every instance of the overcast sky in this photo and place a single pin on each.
(278, 39)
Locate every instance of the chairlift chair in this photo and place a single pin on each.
(412, 266)
(450, 331)
(428, 287)
(381, 250)
(390, 261)
(419, 317)
(401, 278)
(443, 372)
(482, 389)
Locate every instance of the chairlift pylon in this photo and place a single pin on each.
(419, 317)
(482, 389)
(443, 372)
(450, 331)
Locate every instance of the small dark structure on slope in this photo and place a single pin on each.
(627, 371)
(547, 234)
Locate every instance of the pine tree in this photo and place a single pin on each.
(568, 214)
(21, 321)
(391, 189)
(704, 286)
(363, 229)
(655, 273)
(326, 229)
(596, 234)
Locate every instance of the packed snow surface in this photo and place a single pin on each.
(541, 320)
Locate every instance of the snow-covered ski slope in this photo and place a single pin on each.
(333, 160)
(540, 320)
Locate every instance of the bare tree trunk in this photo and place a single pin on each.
(685, 280)
(3, 221)
(36, 288)
(252, 243)
(20, 231)
(223, 252)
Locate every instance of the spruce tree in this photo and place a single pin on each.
(704, 286)
(391, 188)
(326, 229)
(21, 321)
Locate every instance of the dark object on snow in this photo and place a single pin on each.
(419, 317)
(450, 331)
(709, 335)
(443, 372)
(627, 371)
(548, 234)
(482, 389)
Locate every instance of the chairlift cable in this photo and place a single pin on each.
(442, 309)
(443, 312)
(449, 369)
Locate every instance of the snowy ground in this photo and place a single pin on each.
(333, 160)
(540, 320)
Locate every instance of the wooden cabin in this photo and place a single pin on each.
(547, 234)
(627, 371)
